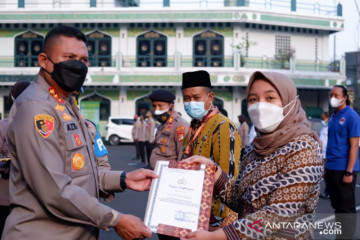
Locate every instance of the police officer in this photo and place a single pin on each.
(54, 176)
(15, 91)
(171, 132)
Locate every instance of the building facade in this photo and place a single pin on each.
(135, 49)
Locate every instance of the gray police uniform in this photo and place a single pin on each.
(54, 178)
(168, 139)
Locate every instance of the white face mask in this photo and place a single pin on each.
(266, 117)
(335, 103)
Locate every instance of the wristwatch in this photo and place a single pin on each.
(122, 180)
(347, 173)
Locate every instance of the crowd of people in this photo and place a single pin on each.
(270, 172)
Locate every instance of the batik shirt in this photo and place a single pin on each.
(271, 192)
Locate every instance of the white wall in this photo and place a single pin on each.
(7, 48)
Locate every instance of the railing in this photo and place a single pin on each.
(227, 62)
(318, 7)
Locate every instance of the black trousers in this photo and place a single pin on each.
(342, 197)
(142, 151)
(149, 148)
(4, 212)
(136, 144)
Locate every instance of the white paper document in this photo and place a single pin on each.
(175, 197)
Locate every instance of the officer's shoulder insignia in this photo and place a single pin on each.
(77, 161)
(60, 108)
(168, 128)
(55, 95)
(171, 119)
(66, 117)
(44, 124)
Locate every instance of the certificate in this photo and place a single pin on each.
(180, 199)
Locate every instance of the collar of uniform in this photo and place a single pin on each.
(345, 109)
(44, 84)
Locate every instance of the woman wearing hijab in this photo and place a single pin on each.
(277, 189)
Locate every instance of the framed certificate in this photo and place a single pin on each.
(180, 199)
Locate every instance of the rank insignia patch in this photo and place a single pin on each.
(163, 140)
(44, 124)
(55, 95)
(66, 117)
(60, 108)
(77, 139)
(78, 161)
(162, 149)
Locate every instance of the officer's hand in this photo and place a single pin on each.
(140, 180)
(131, 227)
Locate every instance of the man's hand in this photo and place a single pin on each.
(131, 227)
(140, 180)
(347, 179)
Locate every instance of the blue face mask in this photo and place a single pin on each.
(195, 110)
(323, 122)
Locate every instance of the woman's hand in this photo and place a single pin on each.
(198, 159)
(205, 235)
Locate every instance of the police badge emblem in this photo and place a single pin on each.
(44, 124)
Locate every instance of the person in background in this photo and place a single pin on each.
(252, 134)
(15, 91)
(135, 133)
(243, 131)
(170, 134)
(211, 135)
(342, 160)
(149, 136)
(324, 139)
(280, 174)
(142, 139)
(101, 153)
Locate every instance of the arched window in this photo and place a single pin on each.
(151, 50)
(27, 47)
(99, 48)
(208, 50)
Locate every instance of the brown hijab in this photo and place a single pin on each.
(293, 125)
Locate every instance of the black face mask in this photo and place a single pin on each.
(69, 75)
(163, 117)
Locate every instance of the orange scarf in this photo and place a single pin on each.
(195, 130)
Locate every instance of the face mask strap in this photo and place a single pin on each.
(297, 97)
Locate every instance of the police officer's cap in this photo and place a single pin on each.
(162, 95)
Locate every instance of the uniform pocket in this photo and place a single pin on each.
(77, 162)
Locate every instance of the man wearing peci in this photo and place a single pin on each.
(211, 135)
(54, 179)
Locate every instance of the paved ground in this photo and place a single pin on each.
(135, 202)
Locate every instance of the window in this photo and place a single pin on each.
(208, 50)
(151, 50)
(282, 45)
(99, 48)
(27, 47)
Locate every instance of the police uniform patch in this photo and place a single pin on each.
(66, 117)
(44, 124)
(55, 95)
(180, 132)
(59, 107)
(168, 128)
(162, 149)
(78, 161)
(163, 140)
(77, 139)
(171, 119)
